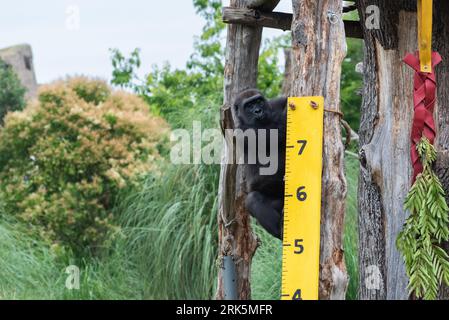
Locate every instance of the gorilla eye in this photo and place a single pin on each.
(256, 104)
(250, 106)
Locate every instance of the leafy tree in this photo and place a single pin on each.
(208, 52)
(351, 83)
(271, 75)
(124, 73)
(12, 93)
(199, 88)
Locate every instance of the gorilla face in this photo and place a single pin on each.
(254, 111)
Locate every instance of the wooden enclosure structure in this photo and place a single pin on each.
(318, 49)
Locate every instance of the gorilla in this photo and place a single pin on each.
(265, 200)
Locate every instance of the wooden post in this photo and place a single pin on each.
(386, 117)
(319, 48)
(236, 238)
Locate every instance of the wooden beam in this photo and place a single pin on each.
(252, 17)
(276, 20)
(269, 5)
(262, 5)
(349, 8)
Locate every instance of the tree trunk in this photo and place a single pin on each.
(387, 113)
(319, 48)
(236, 239)
(385, 174)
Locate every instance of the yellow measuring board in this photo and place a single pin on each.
(302, 205)
(425, 12)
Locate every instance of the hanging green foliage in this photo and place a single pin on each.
(427, 264)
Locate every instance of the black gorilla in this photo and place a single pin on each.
(265, 200)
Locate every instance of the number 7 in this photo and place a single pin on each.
(303, 144)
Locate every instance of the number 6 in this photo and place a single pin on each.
(301, 195)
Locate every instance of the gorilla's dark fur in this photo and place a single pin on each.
(265, 200)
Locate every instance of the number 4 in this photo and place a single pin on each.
(297, 295)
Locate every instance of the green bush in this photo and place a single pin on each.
(12, 93)
(64, 159)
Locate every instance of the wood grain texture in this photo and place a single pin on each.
(251, 17)
(385, 173)
(236, 239)
(319, 48)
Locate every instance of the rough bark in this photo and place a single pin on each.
(441, 44)
(387, 113)
(236, 238)
(319, 48)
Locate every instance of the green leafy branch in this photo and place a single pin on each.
(427, 264)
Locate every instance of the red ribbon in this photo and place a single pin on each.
(424, 97)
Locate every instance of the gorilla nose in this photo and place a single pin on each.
(258, 111)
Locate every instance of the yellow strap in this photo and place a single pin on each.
(302, 207)
(425, 11)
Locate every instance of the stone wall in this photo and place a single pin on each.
(20, 57)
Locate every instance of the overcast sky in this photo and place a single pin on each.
(74, 37)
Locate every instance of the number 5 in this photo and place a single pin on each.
(298, 244)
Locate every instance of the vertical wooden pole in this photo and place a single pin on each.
(319, 47)
(385, 171)
(235, 235)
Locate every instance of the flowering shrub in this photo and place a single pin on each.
(64, 159)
